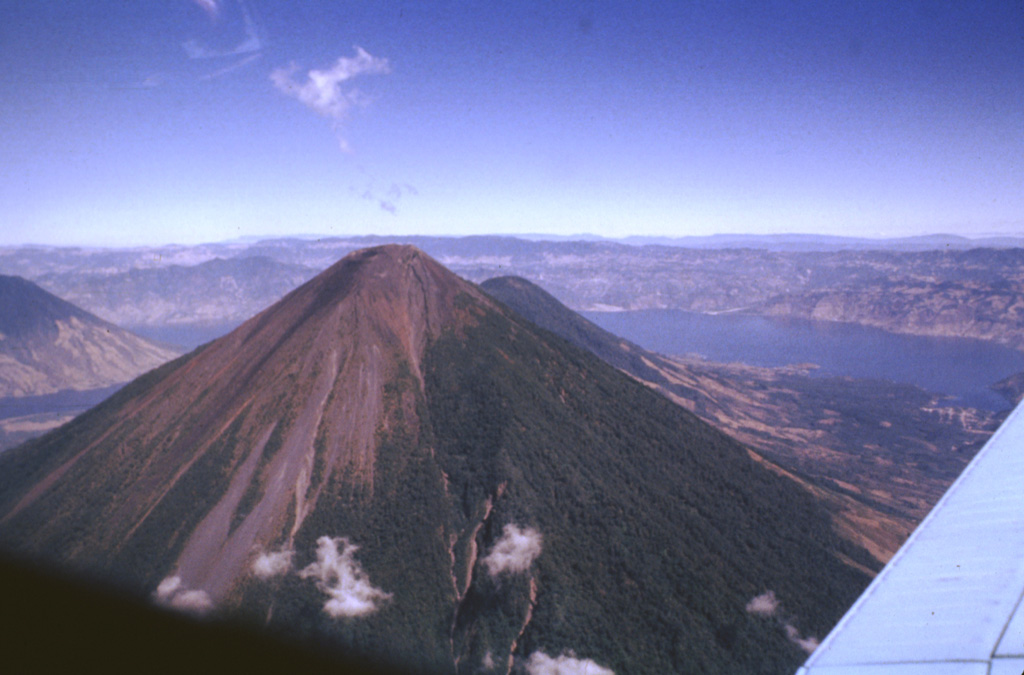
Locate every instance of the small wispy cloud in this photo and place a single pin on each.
(273, 564)
(197, 50)
(566, 664)
(388, 201)
(767, 605)
(172, 593)
(233, 38)
(325, 92)
(249, 42)
(340, 576)
(211, 7)
(196, 602)
(168, 587)
(230, 68)
(514, 552)
(808, 644)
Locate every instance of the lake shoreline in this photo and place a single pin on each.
(962, 368)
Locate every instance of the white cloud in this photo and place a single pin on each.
(389, 200)
(172, 592)
(514, 552)
(323, 91)
(197, 602)
(542, 664)
(808, 644)
(168, 587)
(250, 42)
(763, 605)
(272, 564)
(343, 579)
(767, 605)
(230, 68)
(211, 8)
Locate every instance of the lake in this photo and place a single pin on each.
(187, 336)
(962, 368)
(68, 401)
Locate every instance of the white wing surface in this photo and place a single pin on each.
(949, 601)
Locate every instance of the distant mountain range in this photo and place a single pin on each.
(389, 462)
(48, 345)
(928, 286)
(215, 292)
(823, 243)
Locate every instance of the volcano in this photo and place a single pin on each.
(49, 345)
(389, 463)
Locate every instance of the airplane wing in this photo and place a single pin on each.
(949, 601)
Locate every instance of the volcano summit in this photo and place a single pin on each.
(390, 463)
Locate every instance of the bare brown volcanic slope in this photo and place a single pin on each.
(49, 345)
(390, 463)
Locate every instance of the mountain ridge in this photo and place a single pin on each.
(937, 289)
(48, 345)
(465, 488)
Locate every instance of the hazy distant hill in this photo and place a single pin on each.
(939, 286)
(48, 345)
(211, 293)
(878, 454)
(823, 243)
(390, 462)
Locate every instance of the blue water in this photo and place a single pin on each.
(68, 401)
(186, 337)
(959, 367)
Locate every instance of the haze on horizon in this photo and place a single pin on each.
(188, 121)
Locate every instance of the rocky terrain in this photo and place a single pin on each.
(48, 345)
(1012, 388)
(390, 463)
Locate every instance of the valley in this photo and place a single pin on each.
(57, 360)
(443, 396)
(190, 295)
(480, 338)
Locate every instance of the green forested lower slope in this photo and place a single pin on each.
(657, 529)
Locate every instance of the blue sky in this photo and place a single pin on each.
(160, 121)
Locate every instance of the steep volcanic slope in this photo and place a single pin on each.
(389, 462)
(48, 345)
(534, 303)
(879, 455)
